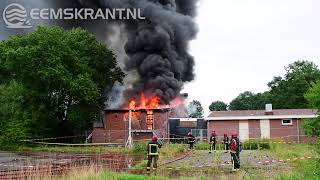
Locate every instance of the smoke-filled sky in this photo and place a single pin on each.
(242, 44)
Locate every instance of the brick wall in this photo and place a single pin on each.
(116, 129)
(160, 120)
(279, 130)
(254, 128)
(221, 127)
(115, 121)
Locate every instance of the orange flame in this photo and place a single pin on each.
(145, 103)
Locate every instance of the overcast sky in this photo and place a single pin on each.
(242, 44)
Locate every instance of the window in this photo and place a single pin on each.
(150, 120)
(286, 122)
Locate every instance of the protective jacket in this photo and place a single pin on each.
(153, 148)
(233, 145)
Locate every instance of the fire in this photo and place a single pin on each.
(145, 103)
(132, 104)
(153, 102)
(150, 103)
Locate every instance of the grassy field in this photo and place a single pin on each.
(91, 174)
(168, 151)
(296, 170)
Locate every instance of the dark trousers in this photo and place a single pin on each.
(236, 162)
(212, 146)
(226, 146)
(153, 158)
(191, 145)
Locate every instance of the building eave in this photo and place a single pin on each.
(260, 117)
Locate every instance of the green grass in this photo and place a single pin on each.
(105, 174)
(308, 170)
(79, 150)
(167, 152)
(257, 144)
(293, 150)
(247, 145)
(303, 169)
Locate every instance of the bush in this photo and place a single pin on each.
(202, 146)
(256, 144)
(140, 148)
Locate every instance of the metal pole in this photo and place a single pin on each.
(129, 143)
(298, 130)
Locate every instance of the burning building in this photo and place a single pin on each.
(154, 55)
(148, 117)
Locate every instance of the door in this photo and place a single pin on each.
(265, 128)
(243, 130)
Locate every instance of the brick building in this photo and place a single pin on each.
(145, 122)
(277, 123)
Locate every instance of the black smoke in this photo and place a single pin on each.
(156, 48)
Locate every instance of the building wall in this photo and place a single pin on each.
(222, 127)
(160, 122)
(115, 121)
(254, 128)
(278, 130)
(116, 127)
(101, 135)
(192, 124)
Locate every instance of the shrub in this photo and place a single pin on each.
(140, 148)
(256, 144)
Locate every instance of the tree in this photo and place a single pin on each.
(288, 91)
(195, 109)
(218, 106)
(249, 101)
(63, 73)
(312, 126)
(15, 123)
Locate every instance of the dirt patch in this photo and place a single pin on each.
(19, 164)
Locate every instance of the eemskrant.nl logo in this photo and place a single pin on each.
(16, 16)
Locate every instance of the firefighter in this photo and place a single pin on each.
(235, 151)
(225, 142)
(239, 149)
(213, 140)
(153, 153)
(191, 140)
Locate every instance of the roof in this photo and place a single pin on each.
(260, 114)
(185, 119)
(137, 109)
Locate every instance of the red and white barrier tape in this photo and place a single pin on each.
(285, 160)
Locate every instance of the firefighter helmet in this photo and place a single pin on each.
(234, 134)
(154, 138)
(225, 134)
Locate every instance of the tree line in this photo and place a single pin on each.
(52, 83)
(298, 88)
(287, 92)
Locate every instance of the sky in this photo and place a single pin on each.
(243, 44)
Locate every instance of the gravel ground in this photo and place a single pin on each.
(220, 158)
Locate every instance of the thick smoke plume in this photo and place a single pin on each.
(157, 48)
(153, 52)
